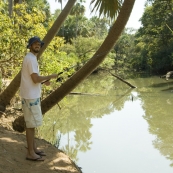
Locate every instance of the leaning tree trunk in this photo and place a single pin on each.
(98, 57)
(56, 26)
(9, 92)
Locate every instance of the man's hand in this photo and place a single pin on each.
(47, 83)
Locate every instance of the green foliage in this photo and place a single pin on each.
(55, 60)
(109, 61)
(99, 27)
(14, 34)
(28, 20)
(43, 6)
(78, 25)
(155, 39)
(78, 10)
(84, 48)
(124, 49)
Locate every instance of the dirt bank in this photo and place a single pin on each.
(13, 152)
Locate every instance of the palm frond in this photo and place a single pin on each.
(107, 8)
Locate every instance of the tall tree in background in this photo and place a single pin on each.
(101, 26)
(72, 26)
(78, 10)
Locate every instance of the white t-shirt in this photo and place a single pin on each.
(28, 89)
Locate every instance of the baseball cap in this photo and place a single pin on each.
(33, 39)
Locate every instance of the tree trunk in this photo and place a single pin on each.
(10, 7)
(9, 92)
(98, 57)
(56, 26)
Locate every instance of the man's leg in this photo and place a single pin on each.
(37, 151)
(32, 121)
(30, 142)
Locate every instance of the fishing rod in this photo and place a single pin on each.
(66, 69)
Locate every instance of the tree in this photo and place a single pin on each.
(154, 39)
(100, 26)
(124, 49)
(87, 69)
(13, 87)
(10, 7)
(41, 5)
(97, 58)
(107, 8)
(75, 24)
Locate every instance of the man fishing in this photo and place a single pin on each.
(30, 92)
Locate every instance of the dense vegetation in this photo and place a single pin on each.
(74, 44)
(149, 49)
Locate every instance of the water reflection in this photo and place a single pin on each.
(68, 126)
(77, 110)
(158, 106)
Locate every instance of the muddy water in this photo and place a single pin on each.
(105, 126)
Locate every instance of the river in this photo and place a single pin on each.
(105, 126)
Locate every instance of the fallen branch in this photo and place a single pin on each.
(122, 80)
(77, 93)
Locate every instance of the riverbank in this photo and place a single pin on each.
(13, 152)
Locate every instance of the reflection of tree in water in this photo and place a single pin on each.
(118, 104)
(157, 102)
(77, 110)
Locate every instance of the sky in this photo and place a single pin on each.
(133, 22)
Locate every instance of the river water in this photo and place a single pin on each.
(105, 126)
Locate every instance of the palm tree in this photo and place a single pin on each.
(97, 58)
(60, 1)
(87, 69)
(13, 87)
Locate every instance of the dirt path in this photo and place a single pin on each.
(13, 152)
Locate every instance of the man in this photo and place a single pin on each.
(30, 92)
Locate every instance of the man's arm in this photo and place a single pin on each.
(39, 79)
